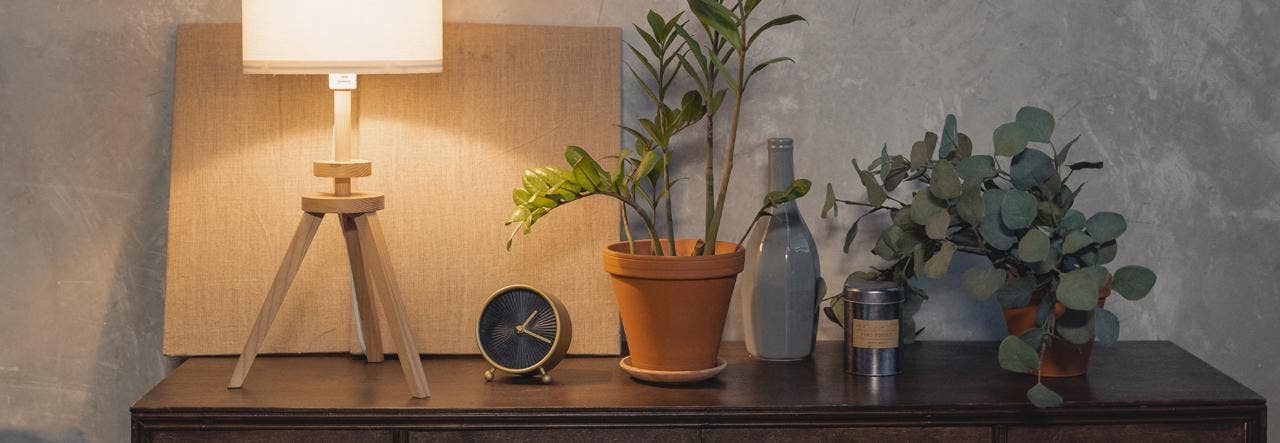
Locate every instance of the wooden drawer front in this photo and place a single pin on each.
(274, 436)
(559, 435)
(870, 434)
(1134, 433)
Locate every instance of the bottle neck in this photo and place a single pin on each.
(781, 170)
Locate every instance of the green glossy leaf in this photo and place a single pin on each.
(981, 281)
(849, 236)
(1078, 290)
(937, 265)
(1075, 241)
(1030, 168)
(647, 163)
(1016, 293)
(1018, 209)
(886, 164)
(771, 23)
(945, 183)
(1105, 226)
(1039, 123)
(1106, 327)
(829, 205)
(765, 64)
(1084, 165)
(1010, 139)
(949, 138)
(936, 227)
(975, 169)
(1015, 355)
(1034, 246)
(1043, 397)
(1133, 282)
(1061, 158)
(716, 16)
(876, 194)
(970, 206)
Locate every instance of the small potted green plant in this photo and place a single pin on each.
(1047, 261)
(673, 293)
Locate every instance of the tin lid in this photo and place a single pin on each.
(873, 292)
(777, 143)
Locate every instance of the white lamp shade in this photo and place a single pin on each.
(342, 36)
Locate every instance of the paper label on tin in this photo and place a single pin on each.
(874, 334)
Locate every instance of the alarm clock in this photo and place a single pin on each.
(523, 331)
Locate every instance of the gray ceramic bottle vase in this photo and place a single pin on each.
(780, 309)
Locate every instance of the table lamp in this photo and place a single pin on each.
(343, 38)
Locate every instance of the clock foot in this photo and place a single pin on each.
(546, 378)
(488, 375)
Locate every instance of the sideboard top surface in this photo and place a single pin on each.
(941, 376)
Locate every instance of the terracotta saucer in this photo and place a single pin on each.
(672, 377)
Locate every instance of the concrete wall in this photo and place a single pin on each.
(1177, 97)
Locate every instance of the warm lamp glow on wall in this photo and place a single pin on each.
(343, 38)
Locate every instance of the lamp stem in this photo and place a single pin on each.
(343, 85)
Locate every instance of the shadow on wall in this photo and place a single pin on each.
(22, 436)
(128, 359)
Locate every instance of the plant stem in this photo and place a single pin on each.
(713, 228)
(648, 221)
(626, 228)
(671, 224)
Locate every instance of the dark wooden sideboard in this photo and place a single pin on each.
(951, 391)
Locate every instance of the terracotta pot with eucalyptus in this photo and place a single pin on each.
(673, 293)
(1047, 262)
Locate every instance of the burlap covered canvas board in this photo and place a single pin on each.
(446, 148)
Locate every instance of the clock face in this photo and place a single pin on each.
(517, 329)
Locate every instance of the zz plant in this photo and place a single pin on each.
(1021, 218)
(641, 180)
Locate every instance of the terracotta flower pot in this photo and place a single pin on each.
(673, 308)
(1061, 358)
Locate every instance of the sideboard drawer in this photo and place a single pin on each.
(847, 434)
(562, 435)
(274, 436)
(1132, 433)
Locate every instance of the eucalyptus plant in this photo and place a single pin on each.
(1021, 218)
(641, 177)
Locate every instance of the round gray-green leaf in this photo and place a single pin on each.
(970, 206)
(1010, 138)
(1030, 168)
(1018, 209)
(829, 204)
(1039, 123)
(1076, 326)
(982, 281)
(1043, 397)
(1107, 252)
(1015, 355)
(1106, 327)
(976, 168)
(1016, 293)
(937, 226)
(1075, 241)
(1034, 246)
(1072, 220)
(1105, 226)
(924, 206)
(995, 234)
(1133, 282)
(1078, 290)
(945, 184)
(936, 266)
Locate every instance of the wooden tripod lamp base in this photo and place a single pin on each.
(366, 252)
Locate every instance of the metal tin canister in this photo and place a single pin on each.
(873, 328)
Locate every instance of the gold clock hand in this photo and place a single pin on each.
(525, 325)
(537, 336)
